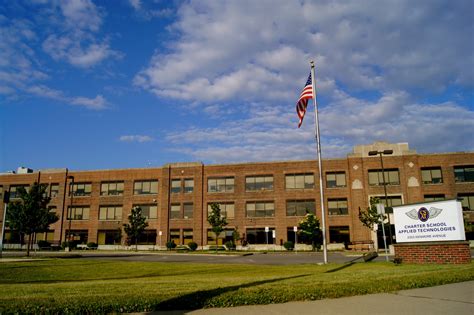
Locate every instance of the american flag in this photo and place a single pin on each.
(306, 94)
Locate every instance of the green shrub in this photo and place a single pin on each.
(71, 245)
(289, 245)
(193, 246)
(170, 244)
(92, 245)
(44, 244)
(230, 245)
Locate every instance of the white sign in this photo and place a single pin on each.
(429, 222)
(273, 234)
(267, 229)
(160, 233)
(295, 229)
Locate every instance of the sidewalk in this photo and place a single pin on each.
(457, 298)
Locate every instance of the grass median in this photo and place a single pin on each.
(95, 286)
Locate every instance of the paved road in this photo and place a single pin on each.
(457, 298)
(270, 258)
(257, 258)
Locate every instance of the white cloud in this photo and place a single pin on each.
(270, 133)
(136, 138)
(81, 14)
(136, 4)
(229, 50)
(97, 103)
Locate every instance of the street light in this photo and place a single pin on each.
(380, 153)
(71, 193)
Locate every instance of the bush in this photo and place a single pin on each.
(170, 245)
(193, 246)
(230, 245)
(289, 245)
(92, 245)
(44, 244)
(71, 245)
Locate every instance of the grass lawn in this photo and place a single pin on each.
(81, 285)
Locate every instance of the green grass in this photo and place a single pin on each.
(96, 286)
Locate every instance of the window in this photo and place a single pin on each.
(335, 179)
(148, 237)
(299, 207)
(337, 206)
(299, 181)
(145, 187)
(81, 189)
(149, 211)
(54, 190)
(429, 198)
(79, 236)
(467, 201)
(464, 174)
(1, 191)
(174, 236)
(188, 186)
(175, 186)
(78, 213)
(109, 237)
(258, 183)
(339, 234)
(111, 189)
(222, 184)
(188, 210)
(259, 236)
(175, 212)
(187, 236)
(392, 201)
(376, 177)
(260, 209)
(45, 236)
(14, 190)
(223, 237)
(227, 209)
(110, 213)
(431, 175)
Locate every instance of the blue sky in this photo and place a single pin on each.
(117, 84)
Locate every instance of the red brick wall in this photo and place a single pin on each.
(434, 253)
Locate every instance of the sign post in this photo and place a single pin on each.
(295, 229)
(381, 213)
(267, 229)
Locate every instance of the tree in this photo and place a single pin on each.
(309, 231)
(370, 217)
(216, 220)
(30, 214)
(136, 226)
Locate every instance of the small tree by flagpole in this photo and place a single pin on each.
(318, 144)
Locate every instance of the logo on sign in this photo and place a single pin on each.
(424, 214)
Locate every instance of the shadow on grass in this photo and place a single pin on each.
(346, 265)
(199, 299)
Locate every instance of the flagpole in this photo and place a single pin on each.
(318, 144)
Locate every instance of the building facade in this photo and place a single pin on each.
(263, 201)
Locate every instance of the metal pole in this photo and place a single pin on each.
(386, 197)
(318, 142)
(71, 191)
(62, 213)
(3, 227)
(384, 237)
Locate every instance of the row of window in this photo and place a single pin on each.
(112, 212)
(254, 209)
(431, 175)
